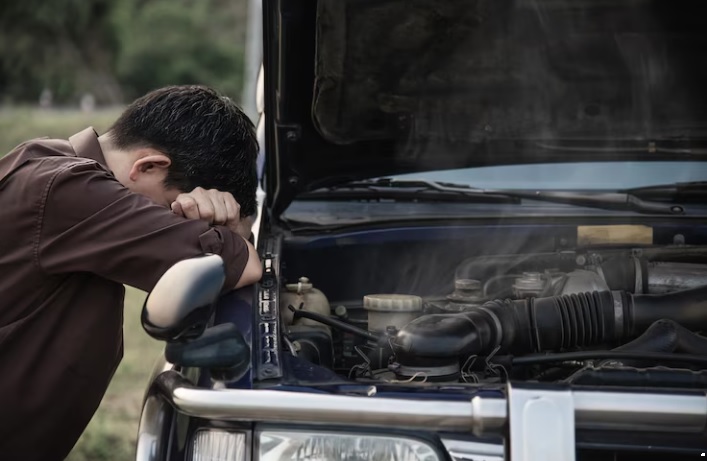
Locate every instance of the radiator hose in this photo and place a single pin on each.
(544, 324)
(667, 336)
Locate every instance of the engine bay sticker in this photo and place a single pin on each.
(615, 234)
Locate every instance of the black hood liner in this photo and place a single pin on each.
(445, 74)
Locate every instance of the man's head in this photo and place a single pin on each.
(177, 138)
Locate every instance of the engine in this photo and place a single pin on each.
(599, 317)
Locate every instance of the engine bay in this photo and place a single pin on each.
(614, 315)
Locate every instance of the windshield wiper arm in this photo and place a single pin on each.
(621, 201)
(603, 200)
(681, 192)
(406, 190)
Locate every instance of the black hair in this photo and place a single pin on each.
(211, 142)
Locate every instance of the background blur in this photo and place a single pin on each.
(69, 64)
(116, 50)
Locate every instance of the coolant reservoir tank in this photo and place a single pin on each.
(395, 310)
(311, 299)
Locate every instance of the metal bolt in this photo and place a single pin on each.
(341, 311)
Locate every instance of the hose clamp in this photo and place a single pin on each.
(497, 321)
(618, 313)
(639, 276)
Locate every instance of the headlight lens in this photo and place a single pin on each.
(216, 445)
(325, 446)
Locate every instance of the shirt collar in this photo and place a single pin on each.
(85, 144)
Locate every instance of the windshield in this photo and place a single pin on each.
(570, 176)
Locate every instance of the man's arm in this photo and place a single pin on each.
(216, 207)
(89, 222)
(253, 269)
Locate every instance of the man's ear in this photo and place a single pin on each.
(149, 162)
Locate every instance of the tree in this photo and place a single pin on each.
(184, 45)
(57, 44)
(118, 49)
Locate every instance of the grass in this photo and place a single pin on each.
(20, 124)
(111, 434)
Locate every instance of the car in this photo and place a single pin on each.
(484, 237)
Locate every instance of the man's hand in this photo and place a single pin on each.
(214, 207)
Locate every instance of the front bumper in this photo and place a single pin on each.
(537, 423)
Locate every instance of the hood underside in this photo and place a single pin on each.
(371, 88)
(467, 71)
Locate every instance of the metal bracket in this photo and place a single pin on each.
(267, 335)
(291, 132)
(541, 423)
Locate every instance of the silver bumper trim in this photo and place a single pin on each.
(464, 450)
(631, 411)
(641, 412)
(297, 407)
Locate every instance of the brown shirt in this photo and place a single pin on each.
(70, 236)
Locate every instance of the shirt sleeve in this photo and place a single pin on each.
(89, 222)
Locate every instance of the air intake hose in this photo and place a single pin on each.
(545, 324)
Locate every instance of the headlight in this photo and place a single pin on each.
(325, 446)
(217, 445)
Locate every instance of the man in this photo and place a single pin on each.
(170, 180)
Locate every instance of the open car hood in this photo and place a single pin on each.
(357, 89)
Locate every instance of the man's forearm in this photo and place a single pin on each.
(253, 269)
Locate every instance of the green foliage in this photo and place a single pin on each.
(183, 46)
(118, 49)
(43, 44)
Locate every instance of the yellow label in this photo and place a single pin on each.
(614, 235)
